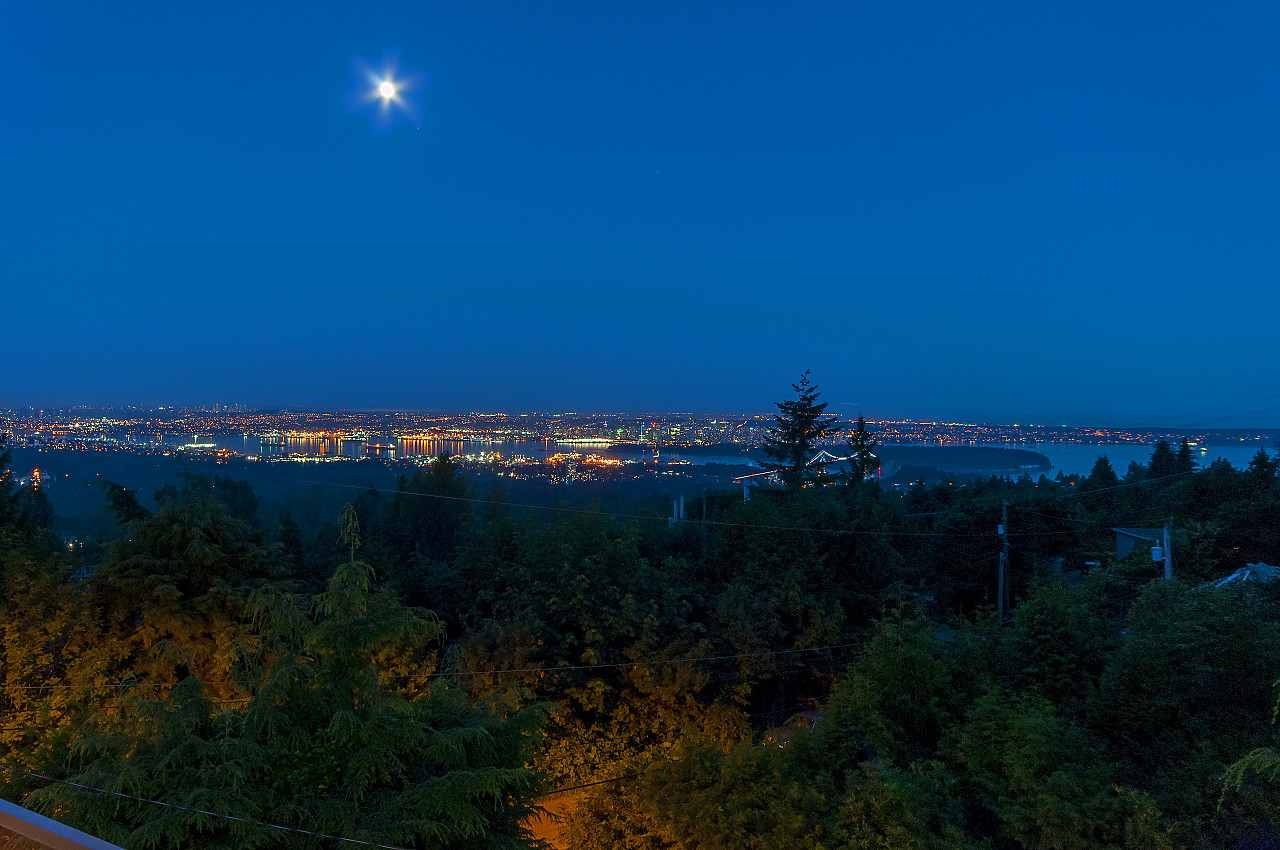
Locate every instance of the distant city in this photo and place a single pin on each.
(556, 446)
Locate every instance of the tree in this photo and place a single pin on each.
(1135, 473)
(798, 426)
(429, 511)
(1163, 461)
(124, 503)
(1057, 645)
(292, 551)
(238, 496)
(33, 511)
(862, 458)
(1103, 475)
(345, 733)
(1046, 782)
(1261, 473)
(1160, 706)
(6, 485)
(1184, 460)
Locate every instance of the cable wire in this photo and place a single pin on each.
(1204, 411)
(643, 663)
(1127, 484)
(599, 782)
(596, 512)
(201, 811)
(611, 666)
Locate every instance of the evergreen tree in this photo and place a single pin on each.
(292, 551)
(239, 498)
(124, 503)
(346, 733)
(798, 426)
(1261, 473)
(33, 511)
(429, 511)
(862, 457)
(1184, 460)
(169, 600)
(1103, 475)
(6, 485)
(1163, 462)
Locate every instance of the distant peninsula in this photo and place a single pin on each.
(954, 459)
(963, 459)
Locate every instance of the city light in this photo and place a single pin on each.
(562, 447)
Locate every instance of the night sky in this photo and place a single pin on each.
(968, 211)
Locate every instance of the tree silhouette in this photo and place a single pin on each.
(1184, 460)
(1103, 475)
(862, 446)
(798, 426)
(1163, 461)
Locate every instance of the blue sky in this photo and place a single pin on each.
(1006, 212)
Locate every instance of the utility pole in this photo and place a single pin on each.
(1004, 559)
(1168, 548)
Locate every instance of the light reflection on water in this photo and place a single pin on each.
(1069, 458)
(405, 447)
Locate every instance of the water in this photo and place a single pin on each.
(1067, 458)
(388, 447)
(1079, 458)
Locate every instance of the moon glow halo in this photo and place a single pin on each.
(392, 94)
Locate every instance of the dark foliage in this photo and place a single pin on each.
(271, 675)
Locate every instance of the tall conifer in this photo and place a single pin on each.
(798, 426)
(862, 451)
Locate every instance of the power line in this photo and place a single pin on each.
(1209, 410)
(596, 512)
(200, 811)
(1069, 519)
(274, 825)
(644, 663)
(116, 686)
(590, 784)
(1127, 484)
(610, 666)
(1230, 416)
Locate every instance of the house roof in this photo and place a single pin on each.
(1127, 539)
(1249, 572)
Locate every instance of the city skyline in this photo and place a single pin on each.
(79, 423)
(563, 448)
(1247, 415)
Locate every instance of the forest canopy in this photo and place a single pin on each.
(817, 666)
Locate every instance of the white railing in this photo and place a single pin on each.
(47, 831)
